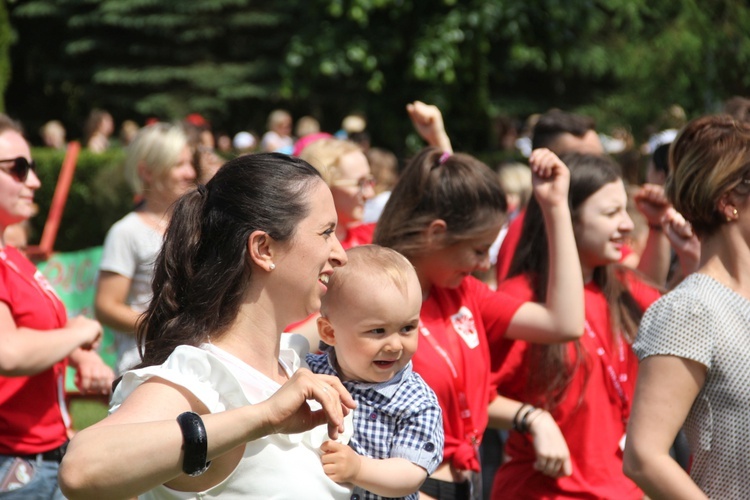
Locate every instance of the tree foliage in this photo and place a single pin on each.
(622, 61)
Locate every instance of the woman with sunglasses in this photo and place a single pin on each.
(37, 341)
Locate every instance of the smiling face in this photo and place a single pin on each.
(374, 326)
(16, 197)
(351, 187)
(601, 227)
(447, 266)
(179, 179)
(307, 261)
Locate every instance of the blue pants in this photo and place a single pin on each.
(42, 486)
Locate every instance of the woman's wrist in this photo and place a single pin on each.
(537, 420)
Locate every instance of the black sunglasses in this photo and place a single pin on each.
(20, 168)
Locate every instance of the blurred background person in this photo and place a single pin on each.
(305, 126)
(279, 133)
(53, 134)
(128, 130)
(738, 107)
(37, 341)
(97, 130)
(244, 143)
(159, 167)
(384, 168)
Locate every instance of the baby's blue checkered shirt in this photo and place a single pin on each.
(400, 418)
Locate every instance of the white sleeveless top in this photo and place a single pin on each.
(278, 466)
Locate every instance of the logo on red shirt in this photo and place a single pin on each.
(463, 323)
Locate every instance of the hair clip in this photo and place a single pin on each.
(444, 157)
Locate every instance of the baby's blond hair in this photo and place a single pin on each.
(381, 265)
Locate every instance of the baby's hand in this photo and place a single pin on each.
(340, 462)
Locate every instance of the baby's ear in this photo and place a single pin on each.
(326, 331)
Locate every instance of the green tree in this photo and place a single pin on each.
(163, 59)
(5, 42)
(622, 61)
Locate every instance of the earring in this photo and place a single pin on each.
(272, 266)
(733, 216)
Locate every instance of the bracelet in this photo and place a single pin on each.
(515, 418)
(194, 444)
(655, 227)
(524, 425)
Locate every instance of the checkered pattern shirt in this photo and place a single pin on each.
(400, 418)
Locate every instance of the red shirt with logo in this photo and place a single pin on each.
(453, 357)
(592, 415)
(31, 407)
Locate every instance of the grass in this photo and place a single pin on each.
(85, 412)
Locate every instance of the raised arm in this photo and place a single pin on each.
(561, 317)
(428, 122)
(388, 477)
(139, 446)
(653, 204)
(666, 389)
(25, 351)
(684, 242)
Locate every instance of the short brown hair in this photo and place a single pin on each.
(709, 157)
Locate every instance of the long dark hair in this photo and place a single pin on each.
(456, 188)
(551, 370)
(203, 268)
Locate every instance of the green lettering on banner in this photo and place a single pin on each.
(73, 276)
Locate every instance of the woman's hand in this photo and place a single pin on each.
(287, 411)
(683, 241)
(428, 122)
(89, 329)
(93, 376)
(552, 454)
(652, 203)
(550, 178)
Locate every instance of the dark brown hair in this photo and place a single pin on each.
(551, 370)
(456, 188)
(555, 122)
(203, 268)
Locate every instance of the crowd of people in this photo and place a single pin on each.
(309, 320)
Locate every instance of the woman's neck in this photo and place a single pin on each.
(156, 206)
(725, 256)
(588, 273)
(255, 339)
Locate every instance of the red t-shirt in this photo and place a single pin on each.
(31, 407)
(591, 416)
(460, 321)
(508, 246)
(358, 235)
